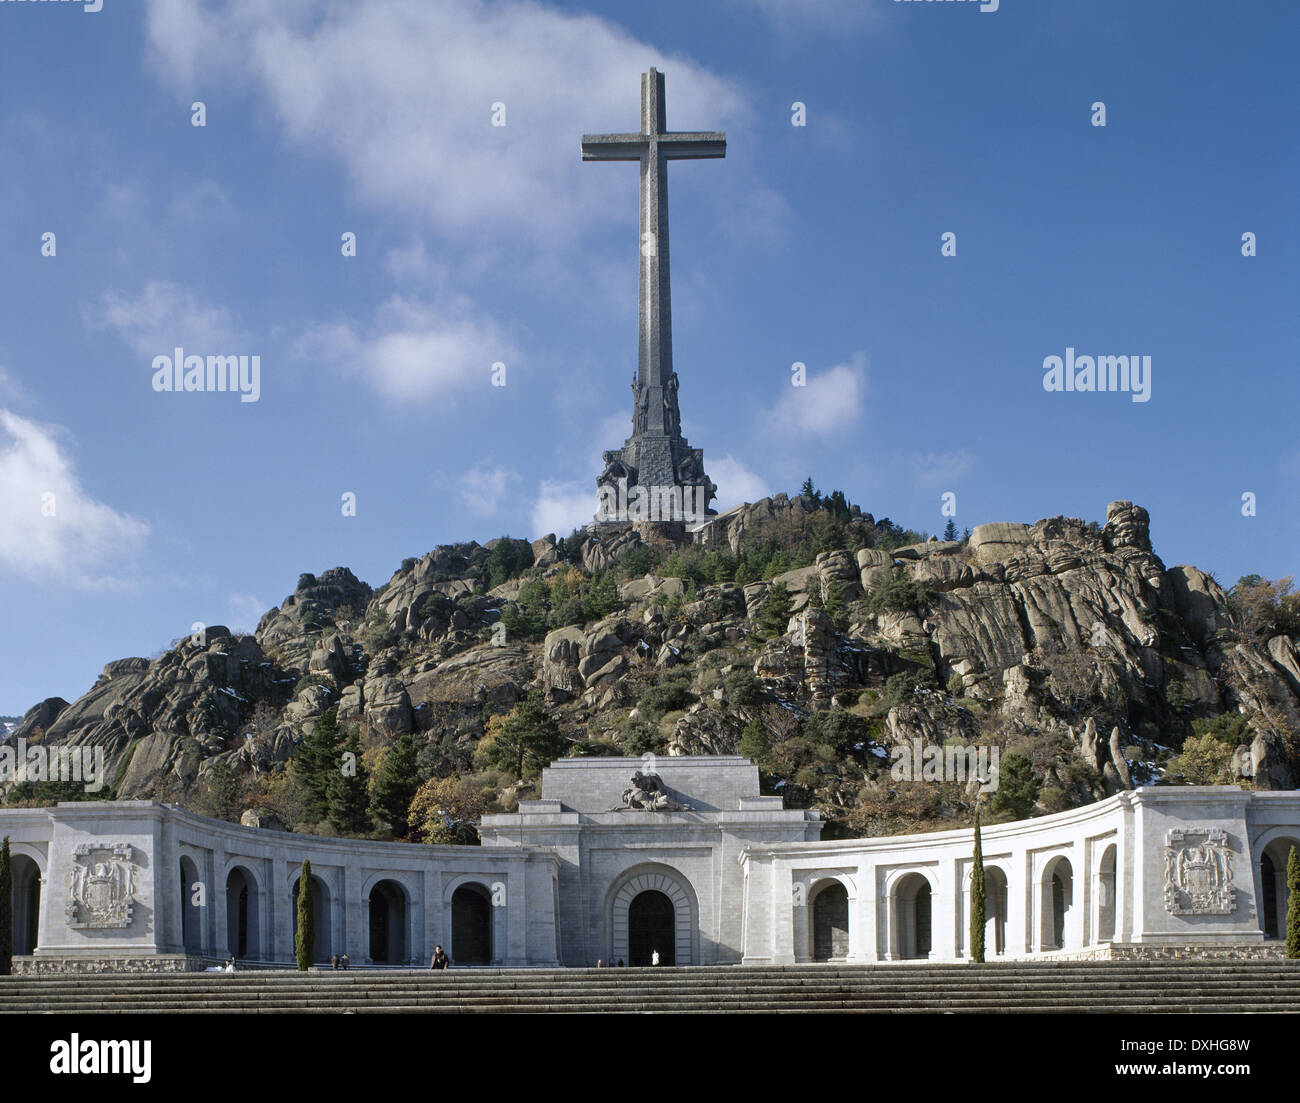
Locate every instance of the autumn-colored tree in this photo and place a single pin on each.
(1204, 760)
(1264, 608)
(446, 810)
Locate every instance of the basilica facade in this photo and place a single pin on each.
(621, 859)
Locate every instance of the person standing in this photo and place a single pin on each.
(654, 957)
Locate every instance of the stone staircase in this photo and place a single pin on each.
(1080, 986)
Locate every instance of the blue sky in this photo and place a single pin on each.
(479, 244)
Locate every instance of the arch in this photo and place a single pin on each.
(1056, 897)
(321, 912)
(388, 911)
(1274, 896)
(243, 914)
(829, 901)
(651, 929)
(191, 911)
(1106, 888)
(471, 925)
(911, 906)
(685, 915)
(26, 897)
(995, 910)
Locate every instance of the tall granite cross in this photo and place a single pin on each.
(656, 457)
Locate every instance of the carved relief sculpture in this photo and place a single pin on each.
(1198, 872)
(101, 885)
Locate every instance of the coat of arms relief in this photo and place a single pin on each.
(101, 885)
(1198, 872)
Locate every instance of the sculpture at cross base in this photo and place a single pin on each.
(656, 475)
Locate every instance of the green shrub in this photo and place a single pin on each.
(743, 687)
(670, 695)
(897, 594)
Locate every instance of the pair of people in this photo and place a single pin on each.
(340, 961)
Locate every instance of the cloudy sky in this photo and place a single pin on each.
(127, 514)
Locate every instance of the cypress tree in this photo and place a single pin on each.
(977, 897)
(305, 938)
(7, 910)
(1293, 905)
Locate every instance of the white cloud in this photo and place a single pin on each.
(163, 316)
(831, 399)
(402, 94)
(51, 530)
(941, 467)
(245, 611)
(563, 506)
(413, 350)
(481, 491)
(736, 483)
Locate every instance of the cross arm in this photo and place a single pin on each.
(613, 147)
(687, 145)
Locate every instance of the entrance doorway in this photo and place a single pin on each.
(651, 926)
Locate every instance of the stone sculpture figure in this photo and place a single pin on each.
(647, 794)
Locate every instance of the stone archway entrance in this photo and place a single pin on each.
(911, 915)
(26, 904)
(242, 927)
(830, 922)
(471, 925)
(387, 923)
(191, 912)
(651, 928)
(653, 910)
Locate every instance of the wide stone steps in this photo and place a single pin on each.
(1104, 987)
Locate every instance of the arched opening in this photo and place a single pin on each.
(471, 925)
(830, 922)
(387, 923)
(192, 894)
(320, 911)
(678, 944)
(241, 915)
(26, 897)
(912, 926)
(1274, 896)
(1057, 898)
(651, 927)
(1106, 896)
(995, 911)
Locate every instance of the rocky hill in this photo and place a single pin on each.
(1069, 643)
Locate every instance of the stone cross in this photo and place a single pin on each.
(654, 147)
(655, 466)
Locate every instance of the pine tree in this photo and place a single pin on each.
(7, 909)
(977, 897)
(950, 530)
(1017, 787)
(349, 795)
(1293, 905)
(397, 785)
(523, 741)
(315, 761)
(774, 613)
(304, 943)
